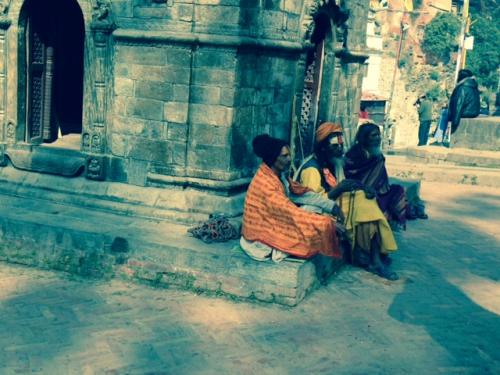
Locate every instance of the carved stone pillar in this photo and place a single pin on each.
(94, 136)
(4, 25)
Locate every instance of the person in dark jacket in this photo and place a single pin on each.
(464, 101)
(425, 118)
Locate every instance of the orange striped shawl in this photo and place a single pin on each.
(271, 218)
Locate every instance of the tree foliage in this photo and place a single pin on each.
(484, 59)
(440, 38)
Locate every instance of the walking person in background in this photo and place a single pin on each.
(439, 135)
(425, 118)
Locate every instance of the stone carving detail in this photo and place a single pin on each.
(3, 158)
(85, 142)
(96, 144)
(100, 10)
(4, 7)
(338, 14)
(10, 132)
(95, 168)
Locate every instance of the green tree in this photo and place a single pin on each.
(484, 59)
(440, 38)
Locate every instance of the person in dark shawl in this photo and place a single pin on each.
(366, 163)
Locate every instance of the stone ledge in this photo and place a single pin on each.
(98, 244)
(150, 36)
(166, 203)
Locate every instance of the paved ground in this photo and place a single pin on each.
(442, 317)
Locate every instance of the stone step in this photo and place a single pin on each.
(101, 244)
(407, 169)
(165, 203)
(451, 156)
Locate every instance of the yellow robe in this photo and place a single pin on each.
(358, 211)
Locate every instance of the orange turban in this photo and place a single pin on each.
(325, 129)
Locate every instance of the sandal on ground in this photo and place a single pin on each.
(384, 273)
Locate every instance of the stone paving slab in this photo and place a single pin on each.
(442, 317)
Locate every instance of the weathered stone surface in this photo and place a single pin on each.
(162, 253)
(175, 112)
(480, 133)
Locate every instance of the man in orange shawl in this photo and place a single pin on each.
(367, 228)
(272, 221)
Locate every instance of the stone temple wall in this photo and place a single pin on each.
(175, 90)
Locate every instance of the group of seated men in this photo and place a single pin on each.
(331, 196)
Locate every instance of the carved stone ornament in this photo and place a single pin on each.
(338, 14)
(95, 168)
(10, 132)
(96, 144)
(3, 157)
(100, 10)
(85, 141)
(4, 7)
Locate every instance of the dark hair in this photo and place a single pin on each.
(268, 148)
(464, 73)
(364, 130)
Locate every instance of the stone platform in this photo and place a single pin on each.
(441, 164)
(91, 242)
(480, 133)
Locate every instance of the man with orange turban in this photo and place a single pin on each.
(367, 228)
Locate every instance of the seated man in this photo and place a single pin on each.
(273, 226)
(369, 233)
(365, 163)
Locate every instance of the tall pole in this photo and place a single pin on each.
(463, 30)
(396, 66)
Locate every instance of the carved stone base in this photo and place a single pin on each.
(68, 163)
(95, 167)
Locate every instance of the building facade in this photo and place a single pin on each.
(168, 94)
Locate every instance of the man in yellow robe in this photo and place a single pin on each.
(367, 228)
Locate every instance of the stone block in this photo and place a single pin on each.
(137, 171)
(118, 144)
(154, 90)
(272, 4)
(179, 56)
(122, 8)
(183, 12)
(177, 132)
(208, 157)
(162, 12)
(180, 93)
(146, 108)
(124, 86)
(141, 55)
(215, 58)
(179, 153)
(205, 94)
(227, 96)
(176, 74)
(216, 16)
(210, 135)
(175, 112)
(293, 6)
(211, 114)
(219, 77)
(143, 72)
(149, 150)
(117, 169)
